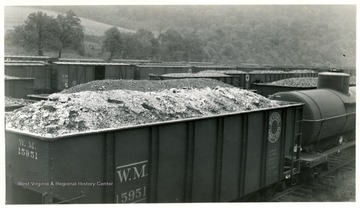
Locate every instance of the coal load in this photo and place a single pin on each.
(222, 72)
(300, 71)
(267, 72)
(145, 85)
(296, 82)
(196, 75)
(9, 101)
(94, 110)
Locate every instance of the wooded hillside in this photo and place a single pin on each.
(290, 35)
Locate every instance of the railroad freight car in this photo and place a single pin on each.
(260, 76)
(237, 78)
(144, 70)
(329, 117)
(132, 61)
(209, 159)
(291, 84)
(18, 87)
(12, 104)
(67, 74)
(252, 67)
(28, 58)
(285, 85)
(235, 81)
(216, 67)
(39, 71)
(267, 89)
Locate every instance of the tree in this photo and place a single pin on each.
(36, 32)
(41, 31)
(113, 42)
(171, 46)
(69, 33)
(194, 47)
(145, 41)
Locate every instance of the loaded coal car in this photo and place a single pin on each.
(143, 70)
(238, 78)
(46, 59)
(328, 120)
(211, 158)
(303, 73)
(291, 84)
(67, 73)
(15, 103)
(18, 87)
(215, 67)
(38, 70)
(284, 85)
(236, 81)
(234, 78)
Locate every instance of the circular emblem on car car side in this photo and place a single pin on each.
(274, 127)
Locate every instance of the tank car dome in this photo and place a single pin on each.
(336, 81)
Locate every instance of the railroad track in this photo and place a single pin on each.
(337, 163)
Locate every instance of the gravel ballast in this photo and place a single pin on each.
(94, 110)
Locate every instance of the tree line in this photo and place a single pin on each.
(167, 46)
(41, 32)
(249, 35)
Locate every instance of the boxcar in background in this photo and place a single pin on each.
(29, 58)
(18, 87)
(132, 61)
(143, 70)
(68, 74)
(251, 67)
(38, 70)
(217, 67)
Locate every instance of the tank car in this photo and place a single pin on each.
(328, 117)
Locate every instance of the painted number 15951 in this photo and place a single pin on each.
(133, 196)
(27, 153)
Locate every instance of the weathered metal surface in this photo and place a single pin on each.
(215, 158)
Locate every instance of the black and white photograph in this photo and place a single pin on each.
(228, 103)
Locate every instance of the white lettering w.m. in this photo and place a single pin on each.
(123, 174)
(22, 142)
(141, 174)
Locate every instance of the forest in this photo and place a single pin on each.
(323, 35)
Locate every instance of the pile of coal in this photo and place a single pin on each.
(267, 72)
(145, 85)
(202, 74)
(222, 72)
(94, 110)
(296, 82)
(300, 71)
(10, 101)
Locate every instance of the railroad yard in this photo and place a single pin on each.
(235, 135)
(233, 104)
